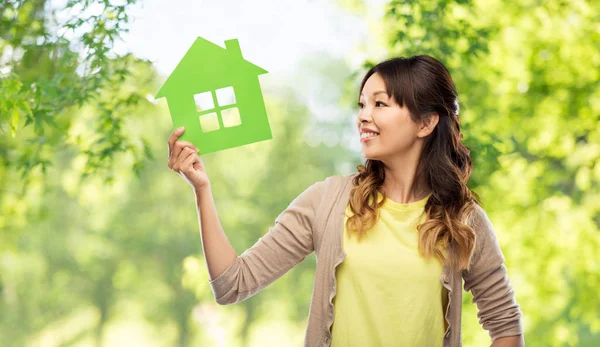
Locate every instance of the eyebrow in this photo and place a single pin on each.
(375, 93)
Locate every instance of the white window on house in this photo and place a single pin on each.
(217, 109)
(204, 101)
(209, 122)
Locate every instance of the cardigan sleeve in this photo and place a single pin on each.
(288, 242)
(487, 279)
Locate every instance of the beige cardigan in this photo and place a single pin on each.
(313, 222)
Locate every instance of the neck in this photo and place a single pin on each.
(403, 187)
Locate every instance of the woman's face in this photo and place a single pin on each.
(380, 112)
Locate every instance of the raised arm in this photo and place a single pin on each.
(285, 244)
(487, 279)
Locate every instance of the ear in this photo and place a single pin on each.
(428, 124)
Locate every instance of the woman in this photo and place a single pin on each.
(394, 241)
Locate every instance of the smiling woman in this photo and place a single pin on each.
(412, 104)
(419, 229)
(410, 217)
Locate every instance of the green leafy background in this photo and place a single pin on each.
(99, 240)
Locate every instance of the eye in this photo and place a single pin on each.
(361, 105)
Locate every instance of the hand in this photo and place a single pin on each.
(184, 159)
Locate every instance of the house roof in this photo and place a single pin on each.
(206, 65)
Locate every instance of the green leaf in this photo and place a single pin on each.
(14, 121)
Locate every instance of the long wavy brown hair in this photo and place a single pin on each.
(424, 85)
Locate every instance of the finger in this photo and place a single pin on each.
(174, 136)
(177, 149)
(188, 163)
(188, 144)
(175, 153)
(182, 157)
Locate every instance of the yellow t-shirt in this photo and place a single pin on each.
(387, 294)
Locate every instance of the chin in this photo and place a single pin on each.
(372, 157)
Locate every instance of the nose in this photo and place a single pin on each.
(364, 115)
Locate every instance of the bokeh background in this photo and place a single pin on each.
(99, 240)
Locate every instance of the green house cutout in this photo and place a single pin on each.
(215, 93)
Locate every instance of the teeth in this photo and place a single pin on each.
(365, 135)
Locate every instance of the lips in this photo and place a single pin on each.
(368, 130)
(368, 138)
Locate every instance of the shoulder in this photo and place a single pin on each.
(323, 188)
(335, 181)
(331, 187)
(340, 180)
(336, 184)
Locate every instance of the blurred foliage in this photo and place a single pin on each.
(53, 61)
(97, 248)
